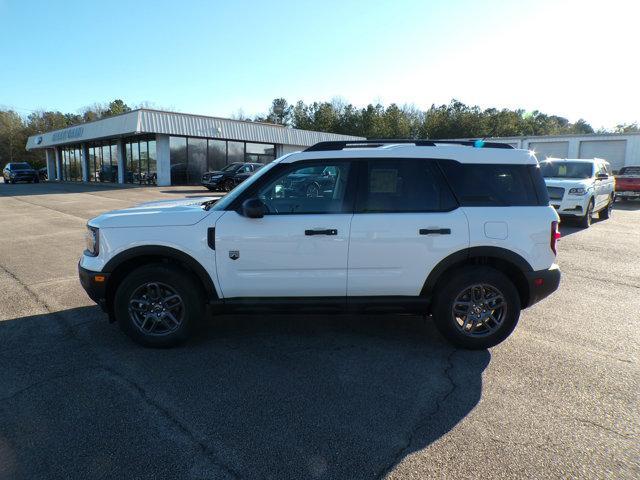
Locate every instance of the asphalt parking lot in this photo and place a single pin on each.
(319, 397)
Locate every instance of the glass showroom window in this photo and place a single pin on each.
(71, 164)
(260, 152)
(141, 165)
(235, 152)
(216, 154)
(178, 160)
(196, 159)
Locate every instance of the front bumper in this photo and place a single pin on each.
(95, 284)
(542, 283)
(571, 206)
(212, 183)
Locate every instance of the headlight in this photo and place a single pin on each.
(577, 191)
(92, 238)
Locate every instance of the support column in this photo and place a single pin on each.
(121, 160)
(50, 156)
(84, 161)
(58, 155)
(574, 148)
(163, 159)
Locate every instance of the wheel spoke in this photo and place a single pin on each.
(479, 310)
(172, 301)
(156, 309)
(154, 291)
(171, 317)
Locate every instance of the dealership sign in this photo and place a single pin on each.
(68, 134)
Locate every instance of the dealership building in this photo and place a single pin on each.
(618, 149)
(165, 148)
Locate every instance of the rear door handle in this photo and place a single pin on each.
(329, 231)
(436, 231)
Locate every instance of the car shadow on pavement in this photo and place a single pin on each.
(296, 396)
(630, 205)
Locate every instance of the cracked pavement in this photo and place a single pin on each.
(310, 396)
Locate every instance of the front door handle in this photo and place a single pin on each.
(329, 231)
(437, 231)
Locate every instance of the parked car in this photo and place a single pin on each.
(43, 174)
(579, 188)
(628, 183)
(311, 181)
(19, 172)
(231, 175)
(463, 233)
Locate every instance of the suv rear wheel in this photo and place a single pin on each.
(478, 307)
(158, 305)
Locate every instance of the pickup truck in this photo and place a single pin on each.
(628, 183)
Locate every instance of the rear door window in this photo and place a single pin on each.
(404, 185)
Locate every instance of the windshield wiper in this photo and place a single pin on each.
(208, 204)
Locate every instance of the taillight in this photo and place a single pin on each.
(555, 236)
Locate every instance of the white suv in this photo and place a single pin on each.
(459, 230)
(579, 188)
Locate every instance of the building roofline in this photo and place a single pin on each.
(147, 120)
(567, 135)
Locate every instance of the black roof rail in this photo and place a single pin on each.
(379, 142)
(372, 143)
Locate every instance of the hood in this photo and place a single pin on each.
(569, 182)
(164, 213)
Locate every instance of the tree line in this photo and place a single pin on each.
(453, 120)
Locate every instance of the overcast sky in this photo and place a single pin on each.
(578, 59)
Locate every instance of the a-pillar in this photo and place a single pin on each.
(163, 158)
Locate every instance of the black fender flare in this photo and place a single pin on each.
(463, 256)
(168, 253)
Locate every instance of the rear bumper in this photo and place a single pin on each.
(542, 283)
(628, 193)
(95, 284)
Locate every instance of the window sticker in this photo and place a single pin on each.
(383, 180)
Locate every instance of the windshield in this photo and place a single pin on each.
(566, 169)
(231, 196)
(20, 166)
(231, 167)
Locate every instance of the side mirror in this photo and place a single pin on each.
(602, 176)
(253, 208)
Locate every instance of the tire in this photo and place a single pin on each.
(159, 284)
(608, 210)
(585, 221)
(227, 185)
(476, 333)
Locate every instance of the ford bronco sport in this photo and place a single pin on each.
(461, 231)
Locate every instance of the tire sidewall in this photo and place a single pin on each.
(178, 279)
(457, 282)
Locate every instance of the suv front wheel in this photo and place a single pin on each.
(477, 308)
(158, 305)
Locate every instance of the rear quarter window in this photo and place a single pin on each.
(496, 185)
